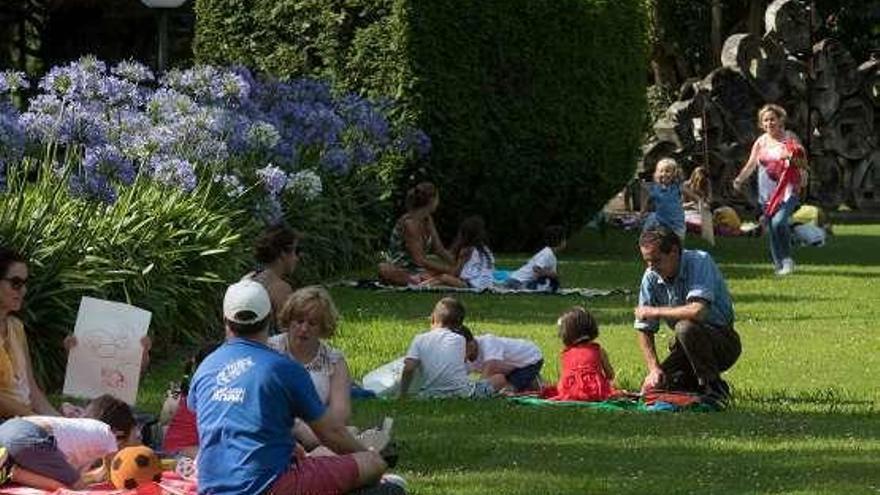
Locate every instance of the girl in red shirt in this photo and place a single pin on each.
(586, 373)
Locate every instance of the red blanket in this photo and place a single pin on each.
(171, 484)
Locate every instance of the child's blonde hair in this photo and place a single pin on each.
(577, 325)
(308, 298)
(676, 171)
(699, 182)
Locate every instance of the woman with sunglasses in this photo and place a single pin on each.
(277, 252)
(20, 394)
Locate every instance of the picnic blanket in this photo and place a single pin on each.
(587, 293)
(171, 484)
(659, 401)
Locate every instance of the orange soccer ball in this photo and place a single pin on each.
(133, 467)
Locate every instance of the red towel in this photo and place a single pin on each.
(790, 175)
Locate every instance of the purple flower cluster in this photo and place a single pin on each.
(222, 120)
(12, 137)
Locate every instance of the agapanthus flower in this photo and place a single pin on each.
(11, 81)
(77, 81)
(12, 137)
(133, 71)
(414, 140)
(173, 172)
(270, 210)
(92, 185)
(231, 183)
(363, 154)
(231, 87)
(80, 125)
(115, 91)
(367, 118)
(336, 159)
(108, 161)
(273, 178)
(262, 136)
(167, 105)
(306, 183)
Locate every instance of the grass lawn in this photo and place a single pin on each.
(804, 418)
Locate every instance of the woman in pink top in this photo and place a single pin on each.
(779, 158)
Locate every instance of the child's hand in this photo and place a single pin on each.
(653, 380)
(69, 342)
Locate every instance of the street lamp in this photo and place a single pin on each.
(162, 7)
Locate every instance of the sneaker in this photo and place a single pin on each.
(394, 479)
(786, 268)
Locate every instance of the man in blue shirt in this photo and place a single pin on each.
(246, 397)
(685, 288)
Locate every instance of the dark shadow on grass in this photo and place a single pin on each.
(751, 297)
(736, 451)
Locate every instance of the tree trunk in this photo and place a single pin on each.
(870, 74)
(866, 182)
(760, 61)
(787, 22)
(834, 68)
(737, 102)
(828, 185)
(755, 21)
(851, 132)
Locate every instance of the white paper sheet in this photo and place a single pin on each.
(107, 357)
(707, 223)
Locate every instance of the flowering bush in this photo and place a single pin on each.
(204, 121)
(117, 184)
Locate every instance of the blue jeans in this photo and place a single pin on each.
(780, 231)
(34, 449)
(524, 378)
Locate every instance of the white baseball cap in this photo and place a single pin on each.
(246, 295)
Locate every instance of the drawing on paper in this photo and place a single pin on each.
(107, 357)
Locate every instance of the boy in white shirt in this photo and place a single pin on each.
(508, 364)
(439, 354)
(540, 271)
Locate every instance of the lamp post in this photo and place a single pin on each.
(162, 7)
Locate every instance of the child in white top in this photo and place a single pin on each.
(509, 364)
(541, 272)
(439, 354)
(475, 260)
(52, 452)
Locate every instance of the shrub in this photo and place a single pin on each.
(159, 248)
(535, 108)
(146, 191)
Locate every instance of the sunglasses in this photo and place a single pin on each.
(17, 283)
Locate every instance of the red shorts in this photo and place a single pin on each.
(320, 475)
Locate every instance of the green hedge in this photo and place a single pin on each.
(534, 107)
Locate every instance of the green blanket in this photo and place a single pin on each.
(614, 405)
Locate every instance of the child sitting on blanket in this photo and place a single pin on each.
(540, 272)
(439, 354)
(181, 436)
(585, 371)
(475, 261)
(51, 453)
(510, 365)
